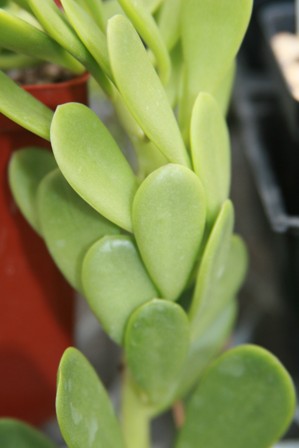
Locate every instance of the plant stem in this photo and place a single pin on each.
(135, 416)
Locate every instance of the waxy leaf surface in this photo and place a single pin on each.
(168, 221)
(115, 282)
(156, 343)
(92, 162)
(245, 399)
(84, 411)
(142, 90)
(16, 434)
(27, 168)
(69, 225)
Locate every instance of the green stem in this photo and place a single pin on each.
(135, 416)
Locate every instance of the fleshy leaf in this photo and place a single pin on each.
(217, 28)
(115, 282)
(245, 399)
(23, 108)
(142, 90)
(92, 162)
(212, 265)
(96, 10)
(16, 434)
(69, 225)
(156, 342)
(168, 221)
(27, 168)
(224, 89)
(84, 411)
(210, 147)
(169, 21)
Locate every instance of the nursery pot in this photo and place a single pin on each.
(36, 321)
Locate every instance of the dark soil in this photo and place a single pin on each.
(45, 73)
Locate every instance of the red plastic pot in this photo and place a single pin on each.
(36, 320)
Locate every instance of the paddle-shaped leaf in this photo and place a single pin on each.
(115, 282)
(212, 265)
(245, 399)
(21, 37)
(16, 434)
(146, 26)
(69, 225)
(84, 411)
(142, 90)
(210, 147)
(27, 168)
(96, 10)
(23, 108)
(169, 22)
(223, 92)
(212, 32)
(92, 162)
(156, 342)
(168, 221)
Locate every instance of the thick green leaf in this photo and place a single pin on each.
(91, 35)
(96, 10)
(27, 168)
(92, 162)
(169, 21)
(152, 5)
(212, 265)
(142, 90)
(146, 26)
(115, 282)
(210, 147)
(224, 89)
(245, 399)
(69, 225)
(212, 32)
(156, 342)
(19, 36)
(173, 87)
(84, 411)
(16, 434)
(23, 108)
(168, 221)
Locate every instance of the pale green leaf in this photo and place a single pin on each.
(115, 282)
(210, 148)
(222, 94)
(27, 168)
(16, 434)
(92, 162)
(69, 225)
(96, 10)
(168, 222)
(23, 108)
(142, 90)
(245, 399)
(169, 22)
(84, 411)
(156, 342)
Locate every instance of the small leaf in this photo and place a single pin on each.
(115, 282)
(69, 225)
(212, 264)
(84, 411)
(16, 434)
(23, 108)
(156, 342)
(27, 168)
(169, 22)
(168, 221)
(245, 399)
(92, 162)
(210, 147)
(142, 90)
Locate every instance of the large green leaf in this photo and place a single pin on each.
(245, 399)
(142, 90)
(210, 147)
(23, 108)
(92, 162)
(168, 221)
(19, 36)
(69, 225)
(96, 10)
(16, 434)
(27, 168)
(212, 265)
(212, 32)
(115, 282)
(84, 411)
(146, 26)
(156, 342)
